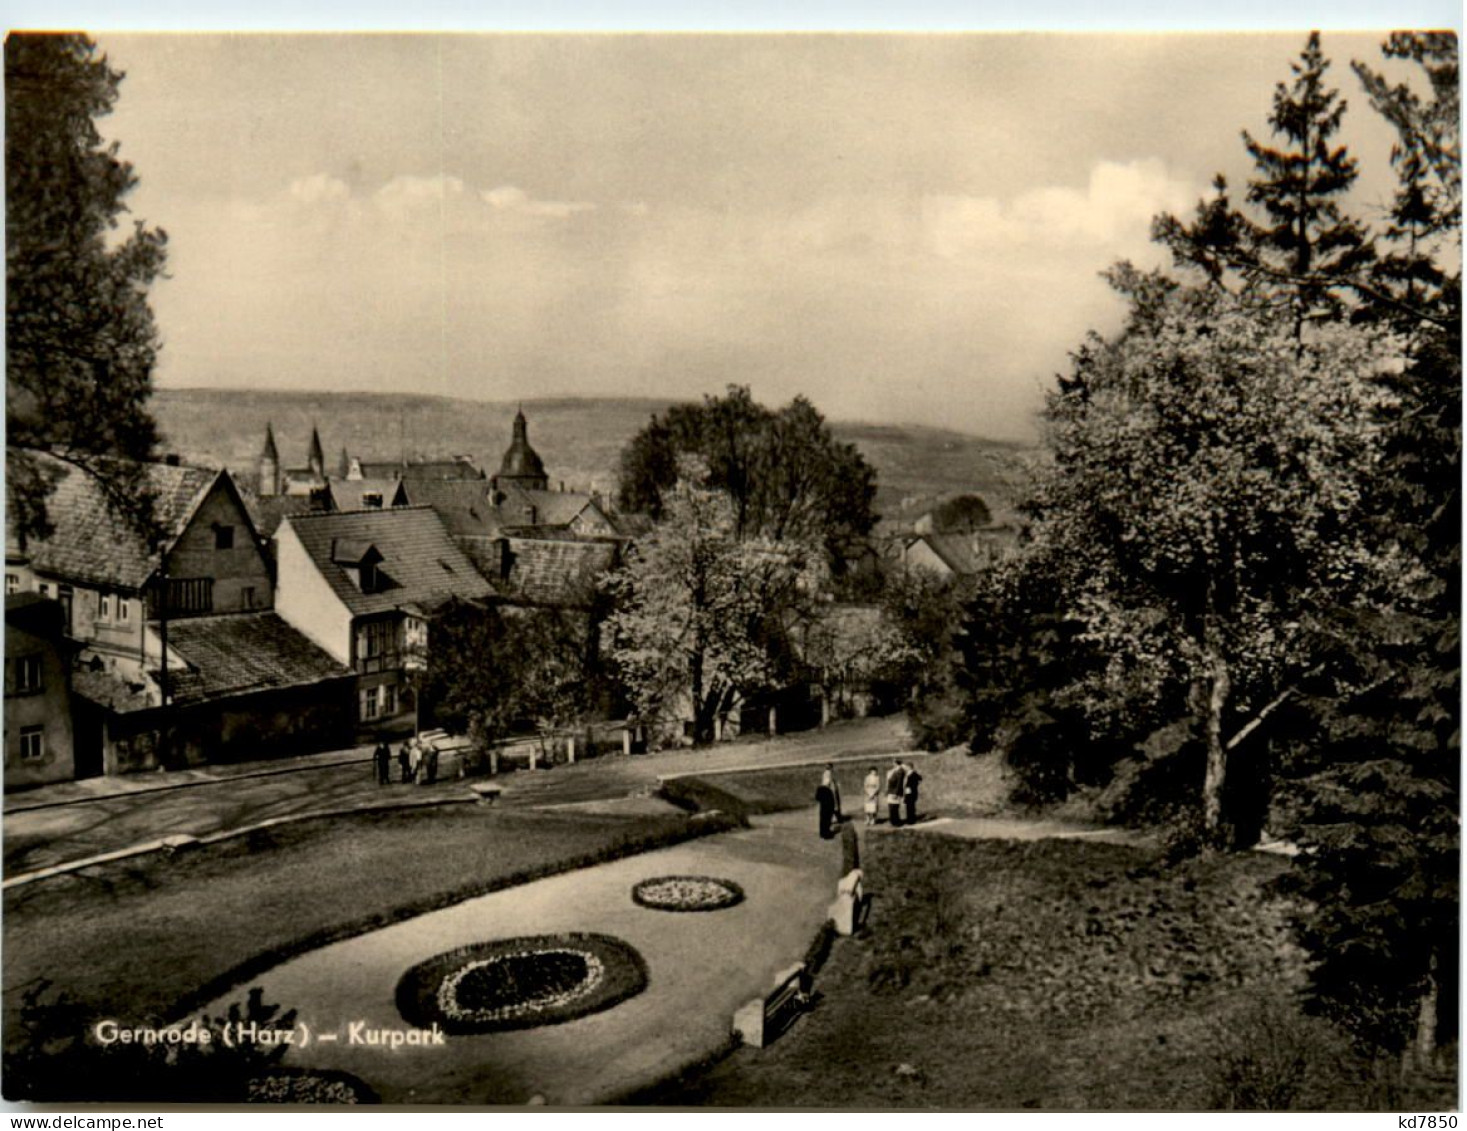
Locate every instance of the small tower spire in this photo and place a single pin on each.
(269, 464)
(316, 457)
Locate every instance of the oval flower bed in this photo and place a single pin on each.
(520, 983)
(687, 893)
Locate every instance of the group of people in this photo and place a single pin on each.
(417, 762)
(902, 784)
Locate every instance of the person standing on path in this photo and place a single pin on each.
(895, 780)
(415, 759)
(430, 764)
(827, 796)
(911, 780)
(382, 761)
(404, 762)
(872, 787)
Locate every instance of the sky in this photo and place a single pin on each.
(905, 228)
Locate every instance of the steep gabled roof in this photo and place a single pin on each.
(91, 544)
(420, 564)
(350, 494)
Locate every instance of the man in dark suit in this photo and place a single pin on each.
(895, 788)
(910, 783)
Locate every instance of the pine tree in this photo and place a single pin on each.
(80, 338)
(1298, 244)
(1376, 791)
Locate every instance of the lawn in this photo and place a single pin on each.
(952, 782)
(1050, 974)
(152, 937)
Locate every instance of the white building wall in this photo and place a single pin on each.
(305, 601)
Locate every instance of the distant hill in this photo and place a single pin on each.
(580, 439)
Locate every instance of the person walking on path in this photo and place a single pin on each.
(895, 781)
(911, 780)
(872, 787)
(827, 796)
(382, 761)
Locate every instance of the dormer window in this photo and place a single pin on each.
(360, 561)
(372, 500)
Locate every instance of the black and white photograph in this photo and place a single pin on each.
(870, 572)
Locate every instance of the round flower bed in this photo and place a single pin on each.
(687, 893)
(520, 983)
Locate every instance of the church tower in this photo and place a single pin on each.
(269, 465)
(521, 465)
(316, 457)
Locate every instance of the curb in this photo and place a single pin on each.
(142, 790)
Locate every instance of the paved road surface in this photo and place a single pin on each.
(214, 800)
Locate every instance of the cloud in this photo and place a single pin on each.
(407, 191)
(509, 198)
(318, 187)
(1115, 208)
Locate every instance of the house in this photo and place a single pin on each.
(954, 555)
(239, 686)
(364, 586)
(117, 592)
(39, 744)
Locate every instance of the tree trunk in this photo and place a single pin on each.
(1426, 1017)
(1219, 686)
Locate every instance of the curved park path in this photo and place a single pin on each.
(701, 968)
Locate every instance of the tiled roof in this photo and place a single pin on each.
(92, 544)
(420, 562)
(555, 572)
(421, 469)
(268, 512)
(350, 494)
(239, 653)
(464, 505)
(551, 508)
(954, 551)
(109, 690)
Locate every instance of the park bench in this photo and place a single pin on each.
(765, 1018)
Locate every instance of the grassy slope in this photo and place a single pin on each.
(580, 440)
(151, 936)
(1049, 974)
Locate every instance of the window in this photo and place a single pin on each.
(104, 606)
(377, 638)
(124, 610)
(223, 537)
(32, 744)
(370, 702)
(44, 589)
(372, 500)
(247, 596)
(27, 675)
(389, 699)
(12, 583)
